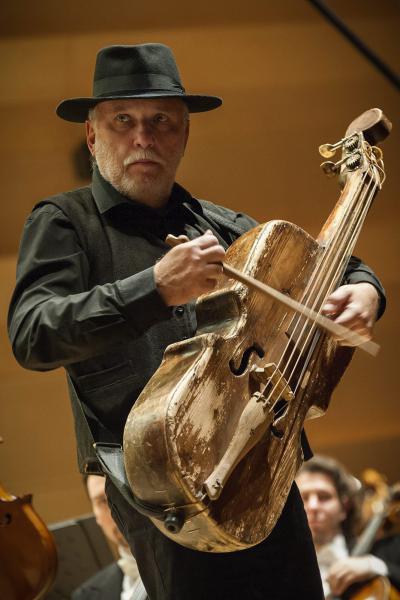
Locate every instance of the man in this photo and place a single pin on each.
(328, 493)
(120, 580)
(100, 293)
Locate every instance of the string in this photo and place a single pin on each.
(309, 290)
(356, 224)
(334, 277)
(332, 248)
(307, 351)
(328, 279)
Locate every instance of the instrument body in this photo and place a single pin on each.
(378, 588)
(28, 555)
(183, 421)
(214, 436)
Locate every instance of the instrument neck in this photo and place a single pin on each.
(339, 234)
(368, 536)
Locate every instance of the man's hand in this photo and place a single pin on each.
(189, 269)
(352, 570)
(355, 306)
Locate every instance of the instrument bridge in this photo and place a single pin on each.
(273, 384)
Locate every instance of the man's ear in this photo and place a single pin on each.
(90, 137)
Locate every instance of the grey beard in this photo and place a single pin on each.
(154, 192)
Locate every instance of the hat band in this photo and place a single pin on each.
(108, 86)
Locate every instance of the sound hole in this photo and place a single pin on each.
(244, 363)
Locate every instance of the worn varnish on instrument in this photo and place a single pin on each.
(215, 435)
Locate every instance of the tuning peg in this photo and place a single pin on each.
(329, 150)
(352, 143)
(329, 168)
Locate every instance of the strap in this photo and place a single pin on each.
(110, 461)
(224, 228)
(224, 222)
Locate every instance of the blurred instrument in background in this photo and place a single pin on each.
(28, 556)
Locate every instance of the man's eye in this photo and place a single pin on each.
(161, 118)
(324, 497)
(122, 118)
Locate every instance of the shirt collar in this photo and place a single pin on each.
(107, 197)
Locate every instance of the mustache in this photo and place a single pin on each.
(141, 155)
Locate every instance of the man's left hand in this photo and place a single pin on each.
(355, 306)
(350, 570)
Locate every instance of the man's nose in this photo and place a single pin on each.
(312, 502)
(143, 136)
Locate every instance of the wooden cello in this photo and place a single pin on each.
(28, 555)
(214, 438)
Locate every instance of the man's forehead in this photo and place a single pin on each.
(142, 104)
(315, 480)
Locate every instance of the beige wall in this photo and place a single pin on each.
(288, 86)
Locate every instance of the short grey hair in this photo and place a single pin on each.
(91, 113)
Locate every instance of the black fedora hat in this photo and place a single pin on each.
(141, 71)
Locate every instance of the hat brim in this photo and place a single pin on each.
(76, 109)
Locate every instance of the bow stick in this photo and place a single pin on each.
(334, 328)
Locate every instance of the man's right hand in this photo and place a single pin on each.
(189, 269)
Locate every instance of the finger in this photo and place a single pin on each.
(213, 254)
(173, 240)
(352, 319)
(340, 588)
(336, 583)
(333, 584)
(345, 581)
(336, 301)
(206, 240)
(340, 295)
(335, 573)
(182, 239)
(349, 316)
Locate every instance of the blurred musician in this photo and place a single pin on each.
(329, 494)
(120, 580)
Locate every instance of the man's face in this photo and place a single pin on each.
(325, 512)
(101, 510)
(138, 145)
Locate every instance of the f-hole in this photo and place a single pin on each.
(244, 363)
